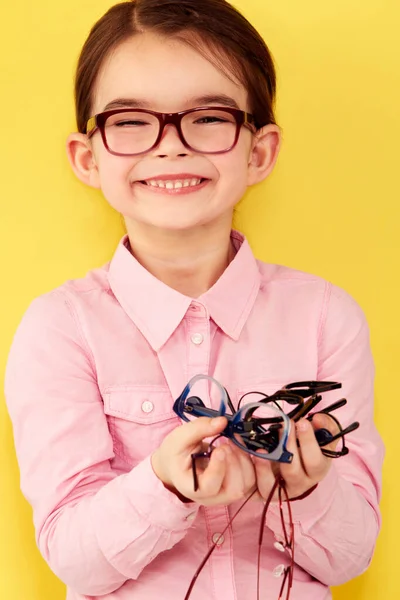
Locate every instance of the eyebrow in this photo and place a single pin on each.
(208, 99)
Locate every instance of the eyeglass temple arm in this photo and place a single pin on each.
(311, 388)
(303, 409)
(230, 404)
(297, 413)
(309, 405)
(341, 434)
(334, 406)
(91, 126)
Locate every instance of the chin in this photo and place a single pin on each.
(176, 221)
(176, 225)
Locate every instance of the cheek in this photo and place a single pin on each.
(113, 189)
(233, 169)
(238, 159)
(114, 175)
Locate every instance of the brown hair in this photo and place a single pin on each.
(212, 27)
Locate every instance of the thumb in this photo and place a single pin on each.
(264, 474)
(192, 433)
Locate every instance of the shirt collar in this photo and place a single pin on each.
(156, 309)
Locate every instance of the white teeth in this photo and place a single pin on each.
(173, 185)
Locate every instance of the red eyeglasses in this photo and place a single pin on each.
(133, 131)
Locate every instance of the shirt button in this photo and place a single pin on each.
(279, 546)
(197, 338)
(278, 571)
(218, 539)
(147, 406)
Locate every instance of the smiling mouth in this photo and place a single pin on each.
(174, 187)
(175, 184)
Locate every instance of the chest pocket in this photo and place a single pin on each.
(139, 418)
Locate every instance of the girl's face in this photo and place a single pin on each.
(169, 77)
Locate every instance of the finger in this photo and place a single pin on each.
(324, 421)
(294, 474)
(314, 462)
(234, 480)
(295, 467)
(211, 480)
(264, 474)
(189, 435)
(246, 466)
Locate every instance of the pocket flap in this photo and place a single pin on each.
(140, 404)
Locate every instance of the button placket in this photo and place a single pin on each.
(221, 560)
(216, 517)
(198, 346)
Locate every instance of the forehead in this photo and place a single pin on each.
(165, 73)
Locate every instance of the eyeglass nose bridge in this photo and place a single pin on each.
(171, 119)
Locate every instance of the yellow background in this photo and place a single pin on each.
(331, 207)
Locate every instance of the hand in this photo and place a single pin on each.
(227, 477)
(309, 465)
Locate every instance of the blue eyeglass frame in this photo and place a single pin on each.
(236, 424)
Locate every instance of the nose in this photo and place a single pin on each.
(170, 143)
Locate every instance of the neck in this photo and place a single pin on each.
(189, 261)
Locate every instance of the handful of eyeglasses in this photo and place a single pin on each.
(264, 425)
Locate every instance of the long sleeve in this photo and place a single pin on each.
(337, 525)
(96, 528)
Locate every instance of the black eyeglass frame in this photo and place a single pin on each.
(98, 121)
(296, 393)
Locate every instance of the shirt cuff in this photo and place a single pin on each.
(310, 509)
(155, 502)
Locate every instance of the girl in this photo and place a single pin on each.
(174, 107)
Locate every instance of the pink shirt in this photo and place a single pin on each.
(91, 378)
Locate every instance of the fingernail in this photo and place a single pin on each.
(302, 425)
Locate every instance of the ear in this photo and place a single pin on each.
(81, 157)
(264, 153)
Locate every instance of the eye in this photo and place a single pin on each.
(206, 120)
(134, 123)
